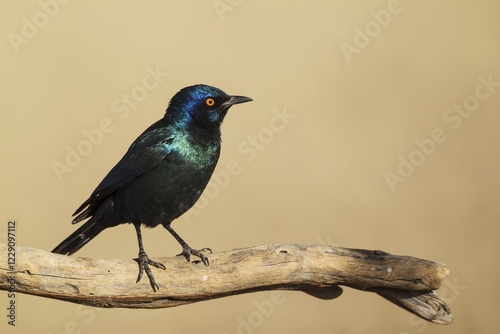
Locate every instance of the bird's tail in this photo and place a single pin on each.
(80, 237)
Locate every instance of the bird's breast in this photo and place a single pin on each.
(197, 154)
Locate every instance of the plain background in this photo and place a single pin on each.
(318, 179)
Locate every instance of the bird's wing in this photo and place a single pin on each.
(145, 153)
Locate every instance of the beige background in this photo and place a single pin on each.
(319, 179)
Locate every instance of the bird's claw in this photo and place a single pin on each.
(188, 251)
(144, 263)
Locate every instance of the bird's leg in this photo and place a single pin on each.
(186, 250)
(144, 261)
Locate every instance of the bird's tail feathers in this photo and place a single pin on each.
(82, 215)
(80, 237)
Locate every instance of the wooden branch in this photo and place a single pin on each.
(316, 270)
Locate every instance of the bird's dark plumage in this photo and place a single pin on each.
(161, 176)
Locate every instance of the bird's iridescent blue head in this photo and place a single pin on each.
(201, 105)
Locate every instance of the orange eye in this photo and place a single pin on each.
(210, 102)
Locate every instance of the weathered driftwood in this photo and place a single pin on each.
(317, 270)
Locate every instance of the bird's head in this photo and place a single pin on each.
(202, 105)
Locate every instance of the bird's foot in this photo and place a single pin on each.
(144, 263)
(188, 251)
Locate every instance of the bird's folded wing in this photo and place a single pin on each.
(145, 153)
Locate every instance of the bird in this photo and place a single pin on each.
(161, 176)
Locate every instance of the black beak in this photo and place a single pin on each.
(235, 100)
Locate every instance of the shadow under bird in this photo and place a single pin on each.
(162, 175)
